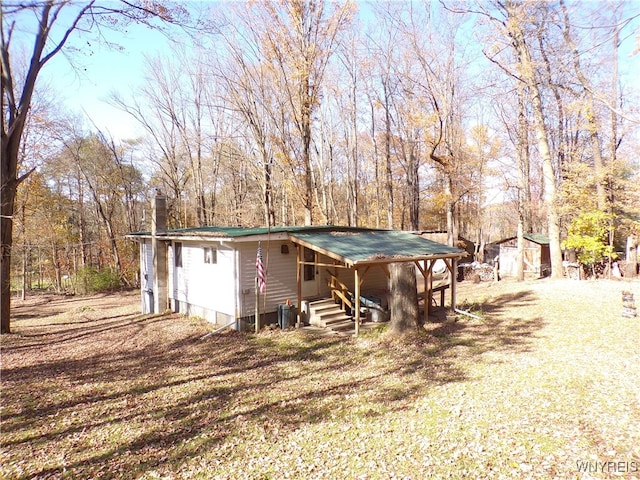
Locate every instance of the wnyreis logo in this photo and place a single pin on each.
(608, 467)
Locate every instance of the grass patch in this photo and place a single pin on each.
(545, 379)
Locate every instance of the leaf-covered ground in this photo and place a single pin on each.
(545, 385)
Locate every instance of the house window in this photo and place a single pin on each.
(210, 255)
(177, 254)
(309, 270)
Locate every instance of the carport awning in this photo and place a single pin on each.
(378, 246)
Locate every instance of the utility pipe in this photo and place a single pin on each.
(217, 330)
(463, 312)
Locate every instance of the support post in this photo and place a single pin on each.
(429, 284)
(357, 302)
(299, 282)
(453, 282)
(425, 293)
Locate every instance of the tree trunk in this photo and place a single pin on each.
(353, 164)
(388, 179)
(414, 185)
(7, 202)
(524, 190)
(528, 74)
(24, 271)
(593, 127)
(56, 267)
(376, 163)
(632, 256)
(452, 227)
(403, 303)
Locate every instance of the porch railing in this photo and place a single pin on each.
(339, 291)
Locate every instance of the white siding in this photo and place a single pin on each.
(281, 275)
(146, 265)
(146, 277)
(208, 286)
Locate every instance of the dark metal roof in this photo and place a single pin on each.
(537, 238)
(237, 232)
(351, 245)
(532, 237)
(374, 246)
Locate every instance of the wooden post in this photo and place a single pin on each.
(299, 281)
(429, 283)
(425, 293)
(357, 302)
(452, 283)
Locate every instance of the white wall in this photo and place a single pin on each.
(202, 285)
(146, 276)
(281, 275)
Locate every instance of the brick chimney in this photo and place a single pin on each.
(159, 214)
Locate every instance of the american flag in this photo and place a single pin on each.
(262, 279)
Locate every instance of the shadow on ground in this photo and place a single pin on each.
(135, 392)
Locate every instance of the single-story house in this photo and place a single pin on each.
(211, 271)
(537, 258)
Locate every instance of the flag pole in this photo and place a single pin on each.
(261, 286)
(257, 322)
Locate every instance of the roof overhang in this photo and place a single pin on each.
(374, 247)
(348, 245)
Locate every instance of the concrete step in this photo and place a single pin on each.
(321, 307)
(321, 303)
(334, 312)
(331, 321)
(342, 326)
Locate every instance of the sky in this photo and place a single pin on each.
(99, 70)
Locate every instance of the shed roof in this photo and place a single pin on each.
(537, 238)
(532, 237)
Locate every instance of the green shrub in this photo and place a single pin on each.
(92, 280)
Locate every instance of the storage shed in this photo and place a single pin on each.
(537, 259)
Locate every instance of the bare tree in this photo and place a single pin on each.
(299, 37)
(47, 42)
(382, 86)
(248, 87)
(512, 19)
